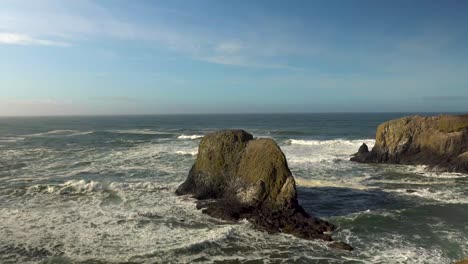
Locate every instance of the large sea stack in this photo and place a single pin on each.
(236, 176)
(441, 142)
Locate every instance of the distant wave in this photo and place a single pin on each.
(139, 132)
(332, 142)
(11, 139)
(190, 136)
(61, 133)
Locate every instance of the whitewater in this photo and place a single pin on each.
(101, 190)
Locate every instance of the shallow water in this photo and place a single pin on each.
(101, 190)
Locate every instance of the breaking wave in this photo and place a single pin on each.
(61, 133)
(332, 142)
(139, 132)
(11, 139)
(442, 196)
(190, 136)
(84, 186)
(188, 153)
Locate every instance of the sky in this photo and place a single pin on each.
(83, 57)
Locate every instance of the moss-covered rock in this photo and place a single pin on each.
(217, 162)
(237, 177)
(437, 141)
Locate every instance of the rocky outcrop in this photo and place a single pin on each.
(236, 177)
(439, 141)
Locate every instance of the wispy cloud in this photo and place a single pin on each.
(20, 39)
(78, 21)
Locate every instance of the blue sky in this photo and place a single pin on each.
(85, 57)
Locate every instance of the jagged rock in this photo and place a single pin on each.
(236, 177)
(362, 153)
(439, 141)
(363, 149)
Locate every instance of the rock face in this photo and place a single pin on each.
(463, 261)
(439, 141)
(236, 177)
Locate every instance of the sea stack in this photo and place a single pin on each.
(441, 142)
(236, 176)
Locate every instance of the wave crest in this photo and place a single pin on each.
(354, 142)
(68, 133)
(83, 186)
(189, 136)
(11, 139)
(139, 132)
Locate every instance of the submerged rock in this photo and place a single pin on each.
(439, 141)
(236, 177)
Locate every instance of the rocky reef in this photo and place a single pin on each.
(441, 142)
(236, 176)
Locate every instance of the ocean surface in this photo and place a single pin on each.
(101, 190)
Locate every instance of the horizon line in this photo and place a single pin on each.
(252, 113)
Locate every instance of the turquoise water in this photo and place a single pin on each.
(101, 190)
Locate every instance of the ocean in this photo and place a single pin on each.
(101, 190)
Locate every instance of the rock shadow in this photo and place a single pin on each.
(339, 201)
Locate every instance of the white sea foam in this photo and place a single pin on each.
(413, 182)
(61, 133)
(84, 186)
(314, 152)
(140, 132)
(190, 136)
(191, 153)
(442, 196)
(408, 254)
(128, 211)
(137, 226)
(11, 139)
(423, 171)
(333, 142)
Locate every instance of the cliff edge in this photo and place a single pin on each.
(441, 142)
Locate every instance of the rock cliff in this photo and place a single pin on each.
(441, 142)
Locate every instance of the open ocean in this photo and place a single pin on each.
(101, 190)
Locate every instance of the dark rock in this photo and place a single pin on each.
(362, 153)
(441, 142)
(340, 245)
(236, 177)
(363, 149)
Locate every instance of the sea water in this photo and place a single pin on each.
(101, 190)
